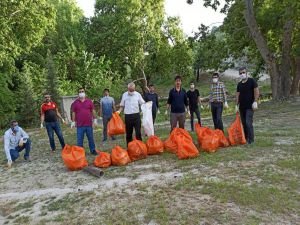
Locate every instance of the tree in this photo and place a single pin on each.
(272, 28)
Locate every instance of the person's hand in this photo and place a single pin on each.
(201, 106)
(9, 163)
(236, 108)
(42, 126)
(64, 122)
(118, 112)
(21, 142)
(100, 118)
(73, 124)
(166, 112)
(188, 112)
(226, 105)
(254, 106)
(158, 112)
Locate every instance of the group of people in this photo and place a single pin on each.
(180, 102)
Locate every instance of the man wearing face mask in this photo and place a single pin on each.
(152, 96)
(247, 95)
(83, 117)
(15, 140)
(49, 115)
(217, 99)
(194, 99)
(130, 103)
(178, 102)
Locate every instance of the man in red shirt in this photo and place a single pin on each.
(49, 114)
(82, 117)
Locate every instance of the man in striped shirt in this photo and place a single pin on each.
(217, 100)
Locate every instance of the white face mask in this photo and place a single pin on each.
(192, 86)
(130, 93)
(243, 76)
(215, 80)
(81, 95)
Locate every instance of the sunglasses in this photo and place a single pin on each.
(242, 73)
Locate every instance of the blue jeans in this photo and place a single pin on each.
(89, 133)
(51, 128)
(14, 153)
(247, 121)
(216, 111)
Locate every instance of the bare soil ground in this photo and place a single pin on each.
(235, 185)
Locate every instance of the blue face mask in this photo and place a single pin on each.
(15, 129)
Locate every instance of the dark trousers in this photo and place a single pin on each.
(154, 115)
(216, 111)
(197, 112)
(52, 127)
(15, 153)
(247, 121)
(133, 121)
(177, 117)
(105, 120)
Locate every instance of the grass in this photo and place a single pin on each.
(235, 185)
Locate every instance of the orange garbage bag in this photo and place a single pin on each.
(223, 142)
(235, 132)
(186, 148)
(171, 144)
(137, 150)
(74, 157)
(154, 145)
(115, 125)
(209, 141)
(103, 160)
(200, 131)
(119, 156)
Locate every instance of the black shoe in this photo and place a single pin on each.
(94, 153)
(104, 139)
(27, 159)
(113, 138)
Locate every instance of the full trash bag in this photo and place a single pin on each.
(115, 125)
(223, 141)
(210, 141)
(147, 120)
(119, 156)
(103, 160)
(185, 148)
(170, 144)
(74, 157)
(235, 132)
(137, 150)
(154, 145)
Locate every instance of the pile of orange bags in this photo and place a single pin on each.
(103, 160)
(210, 140)
(115, 125)
(137, 150)
(154, 145)
(74, 157)
(119, 156)
(181, 143)
(235, 132)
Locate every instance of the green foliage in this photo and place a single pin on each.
(52, 80)
(7, 103)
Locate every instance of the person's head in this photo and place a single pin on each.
(215, 77)
(151, 88)
(243, 73)
(178, 81)
(47, 97)
(131, 88)
(81, 93)
(14, 126)
(192, 85)
(106, 92)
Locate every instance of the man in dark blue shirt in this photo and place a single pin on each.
(152, 96)
(179, 104)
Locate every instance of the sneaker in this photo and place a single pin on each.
(94, 153)
(104, 140)
(27, 159)
(113, 138)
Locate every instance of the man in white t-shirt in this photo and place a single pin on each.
(130, 103)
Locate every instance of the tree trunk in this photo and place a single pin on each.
(285, 70)
(296, 81)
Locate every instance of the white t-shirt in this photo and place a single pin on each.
(131, 102)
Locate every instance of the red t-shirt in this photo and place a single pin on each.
(83, 112)
(49, 110)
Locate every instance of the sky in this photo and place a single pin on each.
(191, 16)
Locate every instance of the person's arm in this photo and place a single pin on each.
(113, 105)
(42, 115)
(157, 104)
(224, 93)
(6, 148)
(141, 100)
(122, 104)
(169, 101)
(256, 94)
(23, 133)
(59, 116)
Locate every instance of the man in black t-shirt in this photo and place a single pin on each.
(247, 95)
(194, 99)
(152, 96)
